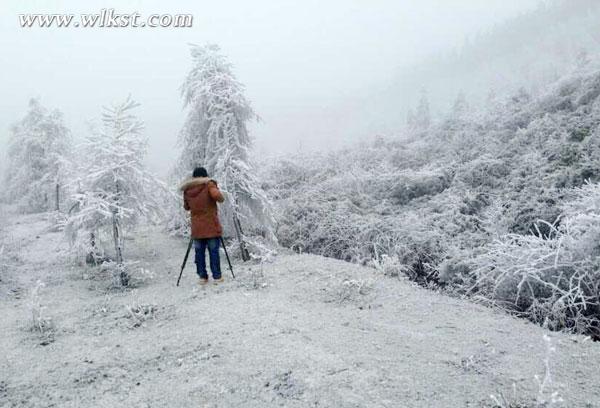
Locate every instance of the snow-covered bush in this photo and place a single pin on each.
(353, 290)
(139, 312)
(285, 177)
(40, 321)
(134, 274)
(484, 171)
(411, 185)
(582, 221)
(390, 266)
(341, 222)
(552, 280)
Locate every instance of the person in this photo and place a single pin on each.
(200, 196)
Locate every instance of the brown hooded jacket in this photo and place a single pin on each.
(200, 197)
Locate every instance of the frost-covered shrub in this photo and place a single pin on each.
(553, 280)
(525, 211)
(390, 266)
(484, 171)
(417, 244)
(259, 248)
(41, 323)
(471, 203)
(582, 221)
(591, 91)
(537, 282)
(286, 176)
(349, 230)
(413, 185)
(548, 395)
(353, 290)
(138, 312)
(455, 271)
(331, 228)
(57, 221)
(125, 274)
(350, 214)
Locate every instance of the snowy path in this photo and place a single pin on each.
(304, 331)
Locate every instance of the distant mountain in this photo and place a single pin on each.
(529, 51)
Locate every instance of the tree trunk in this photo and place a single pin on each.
(91, 258)
(117, 237)
(57, 197)
(240, 236)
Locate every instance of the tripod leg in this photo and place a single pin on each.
(187, 253)
(227, 256)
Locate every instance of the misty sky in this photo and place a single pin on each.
(303, 62)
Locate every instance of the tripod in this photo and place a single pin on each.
(187, 254)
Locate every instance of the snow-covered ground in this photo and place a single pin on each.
(302, 331)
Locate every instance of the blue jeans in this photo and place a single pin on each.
(213, 245)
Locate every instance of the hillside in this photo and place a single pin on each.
(500, 202)
(300, 331)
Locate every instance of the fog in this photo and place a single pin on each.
(308, 66)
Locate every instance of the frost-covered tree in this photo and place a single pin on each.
(215, 136)
(460, 108)
(114, 187)
(38, 151)
(410, 118)
(420, 120)
(423, 116)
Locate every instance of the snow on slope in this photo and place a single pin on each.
(302, 331)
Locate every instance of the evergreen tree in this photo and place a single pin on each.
(460, 108)
(458, 117)
(423, 116)
(421, 119)
(38, 151)
(215, 136)
(410, 119)
(114, 188)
